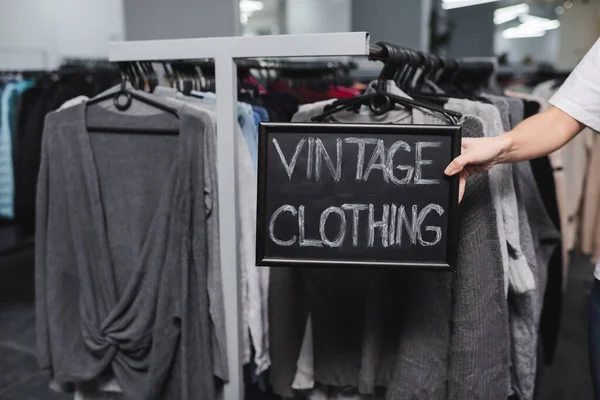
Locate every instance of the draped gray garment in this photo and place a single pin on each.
(121, 256)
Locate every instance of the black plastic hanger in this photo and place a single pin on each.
(382, 101)
(122, 100)
(150, 75)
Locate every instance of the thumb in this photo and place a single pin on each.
(462, 185)
(457, 165)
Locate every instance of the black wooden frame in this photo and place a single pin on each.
(451, 235)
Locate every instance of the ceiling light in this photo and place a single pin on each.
(250, 6)
(531, 26)
(539, 23)
(452, 4)
(516, 33)
(506, 14)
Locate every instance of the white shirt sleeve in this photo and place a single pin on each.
(579, 96)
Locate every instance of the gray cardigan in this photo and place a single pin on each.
(121, 270)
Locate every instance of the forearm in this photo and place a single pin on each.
(539, 135)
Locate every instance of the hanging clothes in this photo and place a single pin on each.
(8, 98)
(356, 329)
(549, 176)
(122, 255)
(518, 248)
(590, 226)
(44, 94)
(575, 158)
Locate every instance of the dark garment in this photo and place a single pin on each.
(280, 106)
(594, 334)
(545, 239)
(552, 308)
(530, 108)
(121, 276)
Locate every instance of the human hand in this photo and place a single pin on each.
(477, 155)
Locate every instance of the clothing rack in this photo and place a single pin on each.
(202, 72)
(226, 53)
(13, 235)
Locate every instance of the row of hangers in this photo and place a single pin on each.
(428, 79)
(190, 76)
(199, 75)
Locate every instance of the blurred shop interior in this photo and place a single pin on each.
(61, 47)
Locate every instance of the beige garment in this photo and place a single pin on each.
(575, 156)
(575, 160)
(590, 216)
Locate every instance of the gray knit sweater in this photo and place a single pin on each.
(121, 271)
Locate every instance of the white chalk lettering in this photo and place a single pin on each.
(438, 232)
(390, 164)
(322, 154)
(356, 209)
(419, 163)
(360, 161)
(382, 224)
(309, 161)
(379, 153)
(393, 224)
(289, 168)
(411, 228)
(304, 242)
(339, 239)
(395, 220)
(282, 209)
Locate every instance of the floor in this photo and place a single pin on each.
(20, 378)
(568, 378)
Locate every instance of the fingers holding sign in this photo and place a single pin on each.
(477, 155)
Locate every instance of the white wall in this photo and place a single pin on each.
(473, 35)
(164, 19)
(37, 34)
(86, 27)
(402, 22)
(318, 16)
(580, 28)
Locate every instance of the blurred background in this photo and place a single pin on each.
(39, 34)
(530, 41)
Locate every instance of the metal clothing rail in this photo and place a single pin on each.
(225, 51)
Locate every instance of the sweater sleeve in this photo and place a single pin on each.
(215, 281)
(42, 331)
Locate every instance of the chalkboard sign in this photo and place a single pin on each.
(357, 195)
